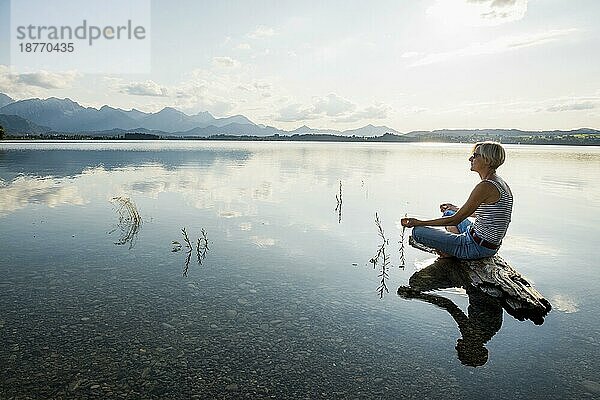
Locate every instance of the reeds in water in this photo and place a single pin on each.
(130, 220)
(201, 248)
(381, 257)
(401, 243)
(338, 207)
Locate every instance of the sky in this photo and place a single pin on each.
(407, 64)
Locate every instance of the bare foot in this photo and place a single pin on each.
(441, 254)
(453, 229)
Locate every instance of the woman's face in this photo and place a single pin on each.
(476, 160)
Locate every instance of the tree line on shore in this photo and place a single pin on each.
(573, 139)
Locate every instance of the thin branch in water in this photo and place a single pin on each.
(202, 247)
(187, 263)
(382, 256)
(380, 229)
(188, 256)
(401, 242)
(186, 238)
(338, 207)
(383, 274)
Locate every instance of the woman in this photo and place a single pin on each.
(490, 203)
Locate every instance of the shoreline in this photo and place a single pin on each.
(539, 141)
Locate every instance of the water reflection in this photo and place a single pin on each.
(272, 294)
(25, 190)
(67, 163)
(484, 314)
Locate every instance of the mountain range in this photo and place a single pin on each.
(65, 116)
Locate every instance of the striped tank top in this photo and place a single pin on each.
(491, 220)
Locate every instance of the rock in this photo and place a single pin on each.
(492, 276)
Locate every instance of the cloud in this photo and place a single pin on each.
(478, 12)
(147, 88)
(500, 45)
(572, 106)
(295, 112)
(47, 80)
(226, 62)
(376, 111)
(217, 107)
(333, 106)
(261, 32)
(34, 84)
(10, 82)
(521, 107)
(243, 46)
(217, 90)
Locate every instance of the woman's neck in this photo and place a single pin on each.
(488, 173)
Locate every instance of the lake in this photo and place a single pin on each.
(276, 296)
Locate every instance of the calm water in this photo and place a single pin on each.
(284, 304)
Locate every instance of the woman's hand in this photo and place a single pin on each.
(409, 222)
(448, 206)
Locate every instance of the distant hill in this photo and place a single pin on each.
(234, 119)
(13, 124)
(231, 129)
(4, 100)
(168, 120)
(306, 130)
(370, 130)
(497, 132)
(65, 115)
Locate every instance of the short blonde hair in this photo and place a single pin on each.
(492, 152)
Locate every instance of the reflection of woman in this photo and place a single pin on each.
(490, 203)
(484, 317)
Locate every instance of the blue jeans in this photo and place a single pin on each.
(458, 245)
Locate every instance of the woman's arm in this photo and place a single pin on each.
(479, 195)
